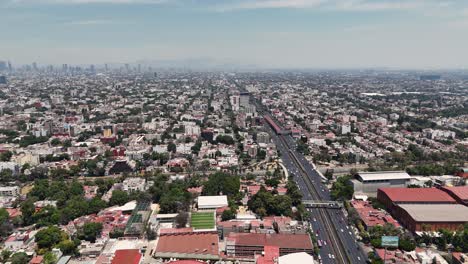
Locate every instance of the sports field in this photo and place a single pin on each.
(202, 220)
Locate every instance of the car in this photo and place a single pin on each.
(342, 230)
(330, 255)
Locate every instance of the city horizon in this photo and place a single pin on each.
(411, 34)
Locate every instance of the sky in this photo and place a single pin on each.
(422, 34)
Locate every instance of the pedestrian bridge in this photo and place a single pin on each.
(322, 204)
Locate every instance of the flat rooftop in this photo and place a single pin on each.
(212, 201)
(425, 195)
(384, 175)
(437, 212)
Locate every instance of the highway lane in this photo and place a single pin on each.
(345, 232)
(337, 217)
(327, 253)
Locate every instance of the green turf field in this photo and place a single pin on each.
(204, 220)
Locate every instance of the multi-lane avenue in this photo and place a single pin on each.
(329, 225)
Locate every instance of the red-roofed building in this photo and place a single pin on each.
(459, 193)
(270, 255)
(36, 260)
(372, 217)
(127, 256)
(391, 197)
(200, 245)
(250, 244)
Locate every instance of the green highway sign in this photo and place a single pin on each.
(389, 241)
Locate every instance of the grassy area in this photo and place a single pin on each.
(204, 220)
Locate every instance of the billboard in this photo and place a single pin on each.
(389, 241)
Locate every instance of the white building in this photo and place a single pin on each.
(134, 184)
(235, 102)
(9, 191)
(207, 203)
(345, 129)
(369, 182)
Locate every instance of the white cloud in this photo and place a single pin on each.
(90, 1)
(90, 22)
(270, 4)
(342, 5)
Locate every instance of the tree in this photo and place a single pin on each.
(6, 156)
(228, 215)
(116, 233)
(225, 139)
(48, 237)
(91, 231)
(118, 198)
(27, 210)
(171, 147)
(294, 193)
(6, 175)
(181, 219)
(68, 247)
(50, 258)
(55, 142)
(19, 258)
(329, 174)
(220, 182)
(5, 226)
(76, 188)
(5, 255)
(406, 244)
(342, 189)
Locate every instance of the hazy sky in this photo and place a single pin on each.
(270, 33)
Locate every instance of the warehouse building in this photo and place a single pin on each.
(249, 244)
(368, 183)
(432, 217)
(459, 193)
(392, 197)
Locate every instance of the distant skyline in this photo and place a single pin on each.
(422, 34)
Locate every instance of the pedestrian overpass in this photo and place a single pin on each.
(322, 204)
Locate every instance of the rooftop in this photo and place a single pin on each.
(187, 244)
(127, 256)
(384, 175)
(460, 191)
(212, 201)
(417, 195)
(437, 212)
(294, 258)
(299, 241)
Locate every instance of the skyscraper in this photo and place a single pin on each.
(2, 66)
(34, 66)
(106, 67)
(10, 67)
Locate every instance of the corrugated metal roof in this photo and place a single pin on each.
(127, 256)
(417, 195)
(437, 212)
(384, 175)
(460, 191)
